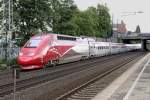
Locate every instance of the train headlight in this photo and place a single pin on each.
(20, 54)
(30, 54)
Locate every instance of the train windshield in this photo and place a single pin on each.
(33, 43)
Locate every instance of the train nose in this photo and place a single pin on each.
(29, 60)
(24, 60)
(27, 54)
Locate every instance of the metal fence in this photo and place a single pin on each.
(10, 53)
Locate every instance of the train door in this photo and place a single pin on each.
(91, 48)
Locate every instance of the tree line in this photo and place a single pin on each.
(61, 16)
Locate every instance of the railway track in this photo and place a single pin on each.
(31, 81)
(4, 76)
(63, 71)
(89, 89)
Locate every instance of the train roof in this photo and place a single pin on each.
(53, 34)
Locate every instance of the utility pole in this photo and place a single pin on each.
(112, 23)
(7, 22)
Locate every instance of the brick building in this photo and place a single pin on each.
(120, 27)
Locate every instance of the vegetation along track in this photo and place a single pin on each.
(89, 89)
(60, 72)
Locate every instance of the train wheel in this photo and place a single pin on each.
(48, 64)
(51, 63)
(84, 58)
(54, 62)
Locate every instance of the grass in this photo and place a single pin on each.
(4, 64)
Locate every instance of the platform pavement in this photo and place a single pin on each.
(134, 84)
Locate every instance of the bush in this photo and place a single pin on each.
(11, 62)
(4, 64)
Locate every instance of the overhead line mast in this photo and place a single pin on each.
(7, 18)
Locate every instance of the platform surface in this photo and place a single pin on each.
(134, 84)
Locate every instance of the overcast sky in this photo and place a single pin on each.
(118, 9)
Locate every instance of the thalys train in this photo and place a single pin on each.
(50, 49)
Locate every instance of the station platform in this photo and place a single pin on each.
(134, 84)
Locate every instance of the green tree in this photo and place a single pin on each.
(1, 15)
(62, 16)
(93, 19)
(104, 21)
(31, 16)
(85, 22)
(62, 20)
(93, 22)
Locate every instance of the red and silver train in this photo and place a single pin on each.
(48, 49)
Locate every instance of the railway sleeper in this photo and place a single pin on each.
(92, 89)
(84, 96)
(81, 97)
(86, 93)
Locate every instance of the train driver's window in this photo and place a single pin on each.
(50, 42)
(33, 43)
